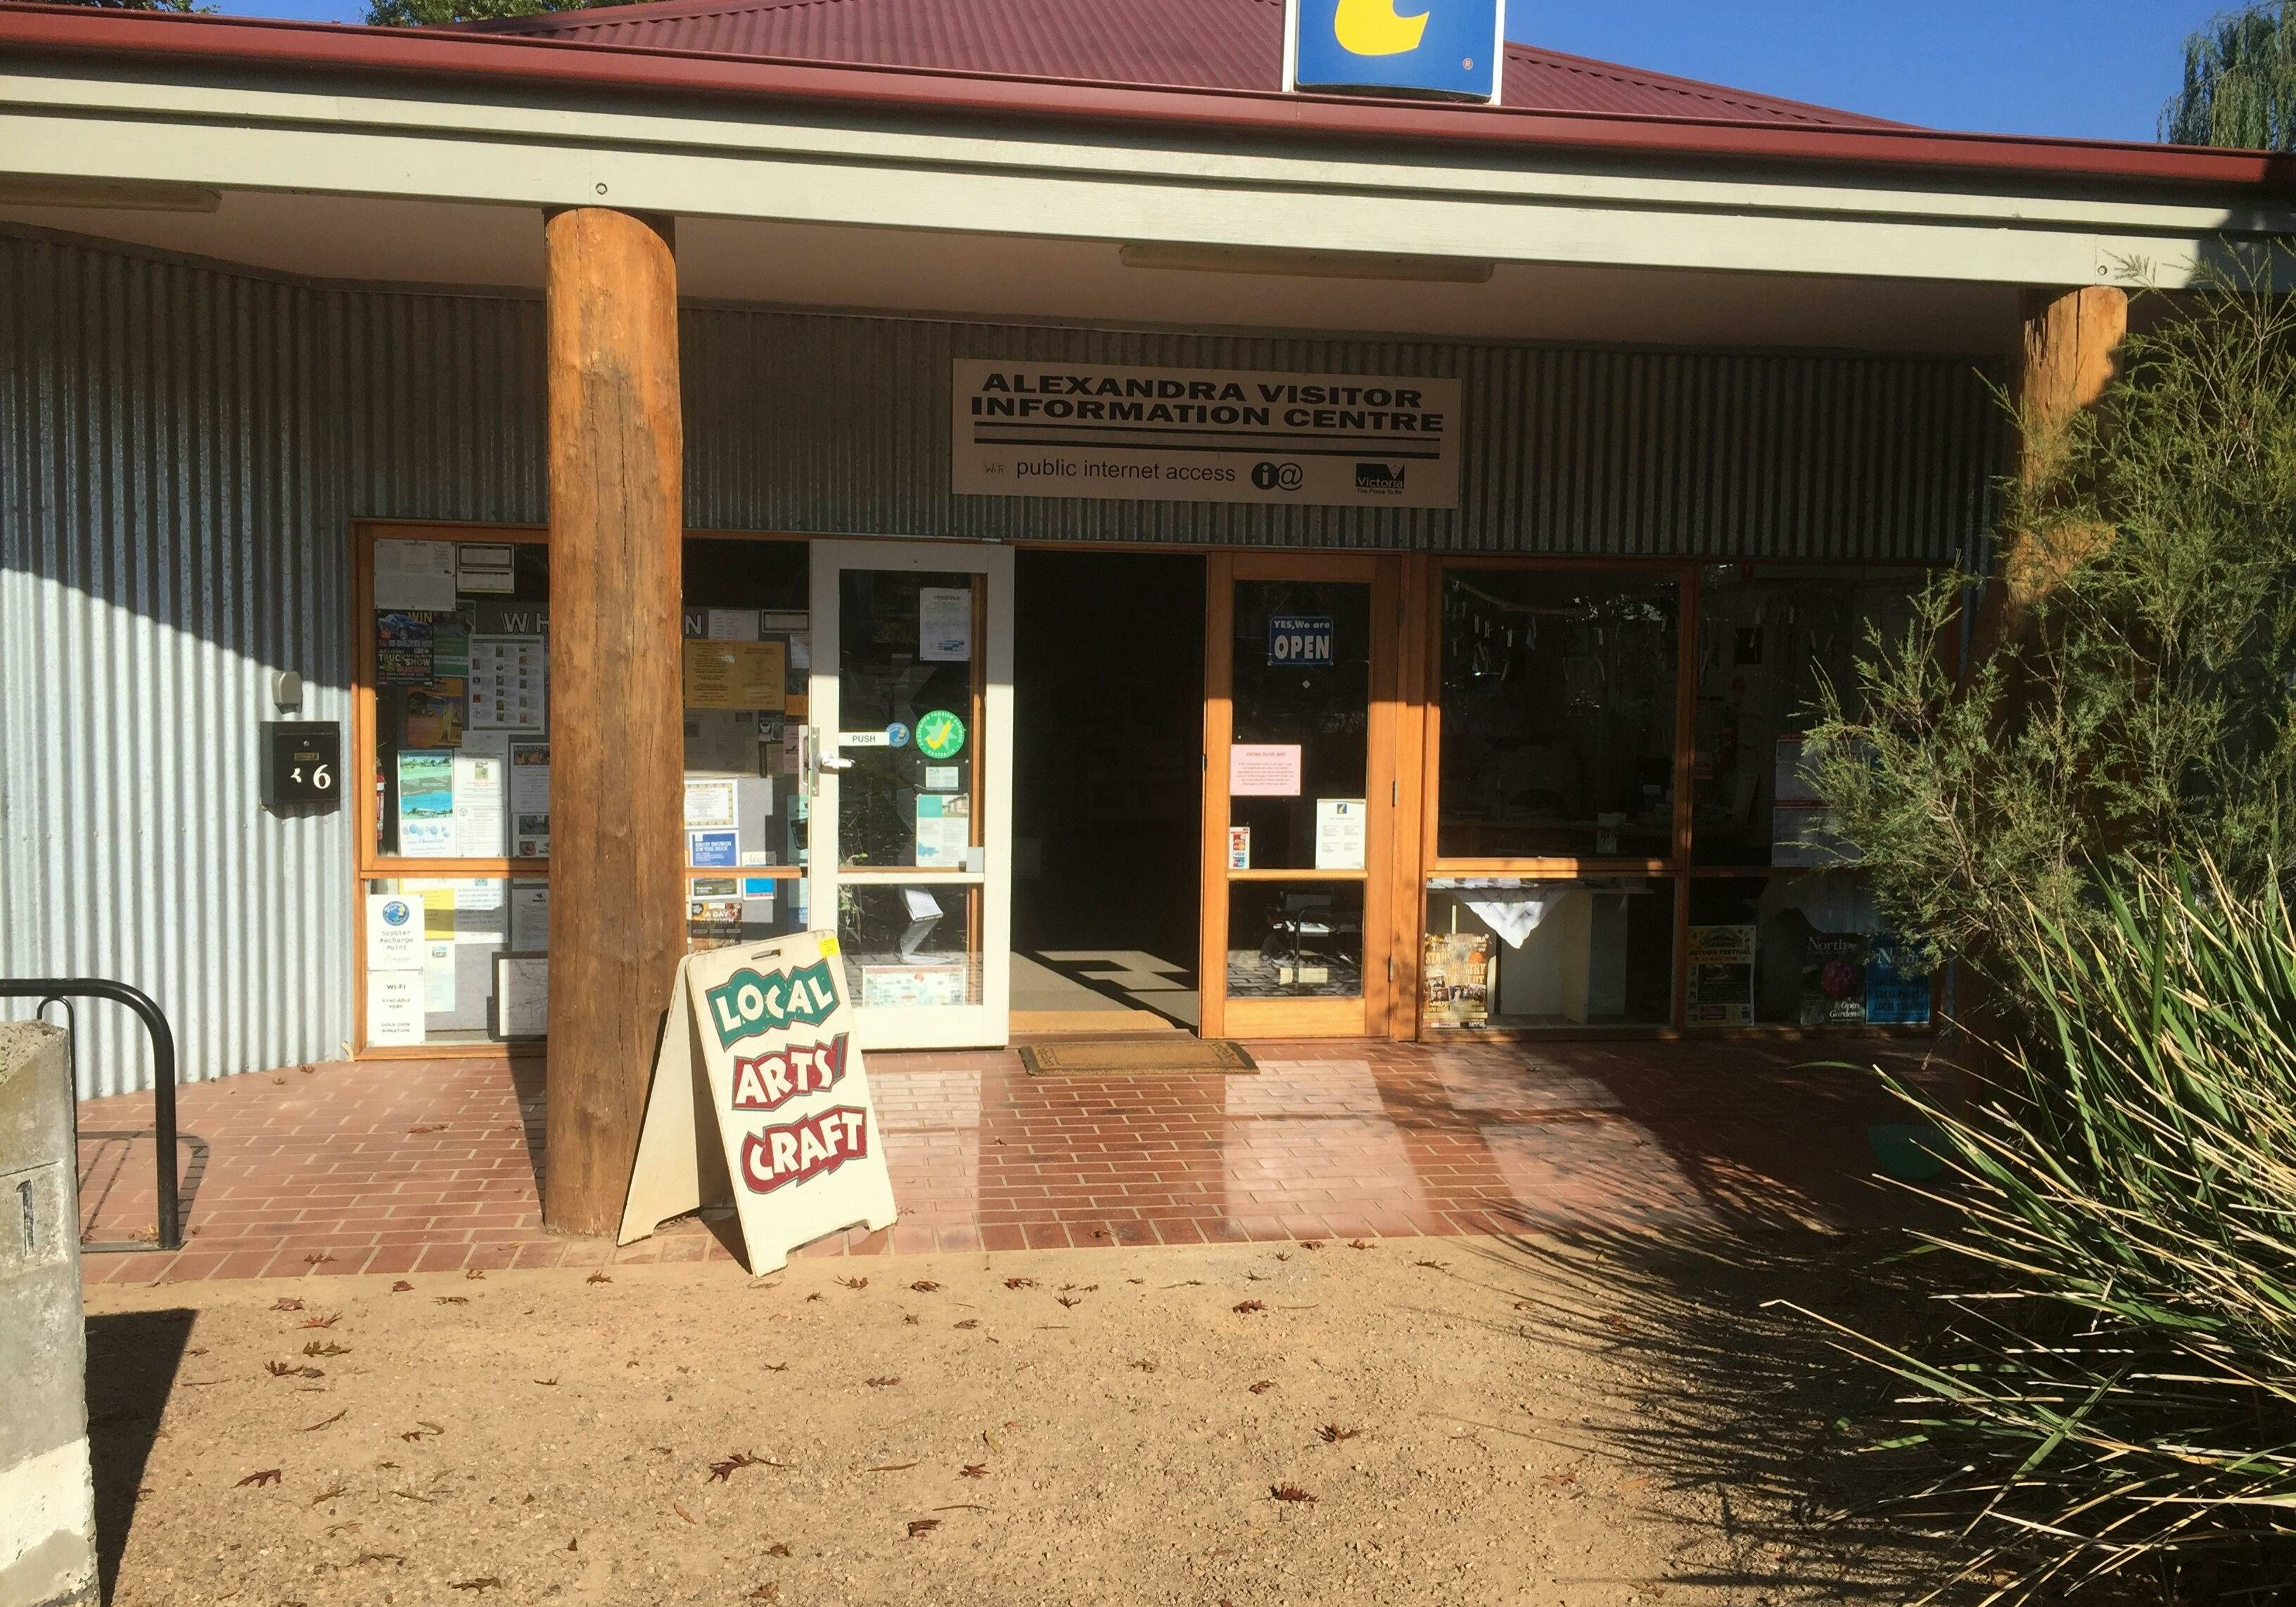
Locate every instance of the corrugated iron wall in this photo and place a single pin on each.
(181, 452)
(183, 449)
(841, 425)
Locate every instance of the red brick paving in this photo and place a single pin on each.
(431, 1166)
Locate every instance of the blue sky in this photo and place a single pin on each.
(2098, 68)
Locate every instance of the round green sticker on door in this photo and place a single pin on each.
(939, 734)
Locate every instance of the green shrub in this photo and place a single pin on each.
(2135, 706)
(2114, 1383)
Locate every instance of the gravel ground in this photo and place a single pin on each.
(1397, 1421)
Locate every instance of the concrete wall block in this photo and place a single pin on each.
(47, 1494)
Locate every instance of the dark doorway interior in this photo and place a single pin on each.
(1108, 692)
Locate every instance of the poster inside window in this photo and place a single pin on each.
(462, 699)
(1530, 953)
(745, 657)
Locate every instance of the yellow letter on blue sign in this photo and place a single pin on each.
(1438, 47)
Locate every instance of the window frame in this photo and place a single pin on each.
(1677, 867)
(368, 864)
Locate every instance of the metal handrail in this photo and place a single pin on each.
(50, 990)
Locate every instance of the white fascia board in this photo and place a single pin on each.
(788, 165)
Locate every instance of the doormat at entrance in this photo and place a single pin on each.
(1188, 1056)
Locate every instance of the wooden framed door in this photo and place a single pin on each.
(1301, 704)
(910, 766)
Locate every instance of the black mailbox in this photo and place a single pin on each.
(302, 764)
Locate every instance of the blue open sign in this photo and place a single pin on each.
(1300, 640)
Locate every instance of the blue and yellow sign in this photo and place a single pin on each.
(1446, 47)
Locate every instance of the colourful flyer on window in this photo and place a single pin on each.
(713, 851)
(944, 829)
(434, 715)
(426, 804)
(402, 648)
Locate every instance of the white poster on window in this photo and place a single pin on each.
(481, 787)
(530, 917)
(394, 1007)
(439, 978)
(508, 675)
(530, 798)
(394, 932)
(945, 624)
(490, 569)
(1340, 833)
(414, 575)
(711, 806)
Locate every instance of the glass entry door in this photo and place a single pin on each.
(909, 759)
(1299, 791)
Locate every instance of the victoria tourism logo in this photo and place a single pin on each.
(1442, 47)
(1380, 480)
(1374, 28)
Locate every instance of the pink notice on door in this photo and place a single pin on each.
(1263, 770)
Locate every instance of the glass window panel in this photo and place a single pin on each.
(1558, 695)
(722, 911)
(461, 679)
(1799, 948)
(1594, 951)
(1769, 637)
(430, 949)
(1295, 939)
(911, 946)
(909, 698)
(748, 648)
(732, 571)
(1301, 692)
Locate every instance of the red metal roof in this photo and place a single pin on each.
(525, 65)
(1167, 44)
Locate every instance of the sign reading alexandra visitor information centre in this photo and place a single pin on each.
(759, 1095)
(1202, 434)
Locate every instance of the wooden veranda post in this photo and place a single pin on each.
(2072, 353)
(2070, 356)
(617, 477)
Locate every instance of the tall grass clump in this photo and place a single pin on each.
(2111, 1377)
